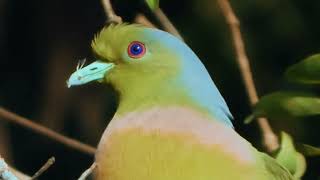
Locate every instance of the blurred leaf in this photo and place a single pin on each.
(306, 72)
(249, 119)
(308, 150)
(287, 105)
(290, 158)
(153, 4)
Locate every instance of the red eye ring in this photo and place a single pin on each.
(136, 49)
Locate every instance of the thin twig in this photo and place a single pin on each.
(270, 140)
(9, 173)
(141, 19)
(166, 23)
(46, 166)
(87, 172)
(112, 17)
(12, 117)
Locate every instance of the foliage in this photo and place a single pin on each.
(153, 4)
(287, 105)
(308, 150)
(306, 72)
(290, 158)
(292, 104)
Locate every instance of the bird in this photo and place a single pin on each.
(171, 123)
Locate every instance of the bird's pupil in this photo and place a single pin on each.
(136, 49)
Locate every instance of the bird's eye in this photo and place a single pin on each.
(136, 49)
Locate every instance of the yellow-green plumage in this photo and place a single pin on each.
(144, 149)
(169, 157)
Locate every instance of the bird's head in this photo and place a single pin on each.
(128, 55)
(150, 67)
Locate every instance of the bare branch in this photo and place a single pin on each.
(9, 173)
(141, 19)
(166, 23)
(12, 117)
(112, 17)
(87, 172)
(46, 166)
(270, 140)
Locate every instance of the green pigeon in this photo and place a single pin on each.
(171, 122)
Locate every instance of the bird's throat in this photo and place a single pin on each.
(141, 99)
(142, 95)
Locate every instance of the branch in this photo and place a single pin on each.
(270, 140)
(166, 23)
(46, 166)
(111, 15)
(141, 19)
(87, 172)
(9, 173)
(12, 117)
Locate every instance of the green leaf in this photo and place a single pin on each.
(249, 119)
(305, 72)
(308, 150)
(153, 4)
(290, 158)
(287, 105)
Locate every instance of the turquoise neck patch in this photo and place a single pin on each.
(196, 80)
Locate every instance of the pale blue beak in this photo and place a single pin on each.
(92, 72)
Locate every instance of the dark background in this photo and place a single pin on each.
(41, 42)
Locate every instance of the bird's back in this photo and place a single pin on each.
(176, 143)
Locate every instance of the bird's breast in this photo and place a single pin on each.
(171, 143)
